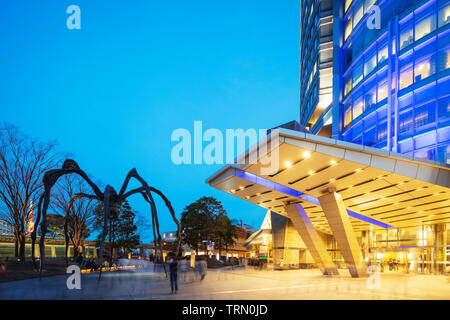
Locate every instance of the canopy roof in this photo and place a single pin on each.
(380, 189)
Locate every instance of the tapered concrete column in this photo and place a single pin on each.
(311, 238)
(336, 214)
(285, 243)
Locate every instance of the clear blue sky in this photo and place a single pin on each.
(113, 92)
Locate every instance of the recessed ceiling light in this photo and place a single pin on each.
(288, 164)
(306, 154)
(232, 190)
(331, 180)
(358, 169)
(241, 187)
(310, 172)
(333, 162)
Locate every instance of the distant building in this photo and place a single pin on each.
(5, 229)
(170, 236)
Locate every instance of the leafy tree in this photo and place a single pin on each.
(121, 229)
(55, 226)
(206, 219)
(126, 229)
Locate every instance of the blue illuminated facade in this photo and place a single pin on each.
(391, 85)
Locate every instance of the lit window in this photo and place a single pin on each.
(406, 36)
(357, 74)
(347, 4)
(405, 122)
(382, 132)
(357, 13)
(425, 26)
(444, 15)
(357, 107)
(370, 98)
(423, 69)
(348, 86)
(393, 46)
(421, 117)
(368, 4)
(382, 53)
(347, 115)
(382, 91)
(444, 59)
(348, 28)
(370, 64)
(406, 77)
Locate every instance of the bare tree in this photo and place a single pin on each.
(79, 211)
(23, 162)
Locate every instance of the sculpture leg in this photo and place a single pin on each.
(43, 231)
(33, 233)
(106, 209)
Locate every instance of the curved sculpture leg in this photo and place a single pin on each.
(148, 197)
(33, 233)
(43, 231)
(106, 210)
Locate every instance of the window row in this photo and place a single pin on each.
(419, 25)
(423, 67)
(360, 8)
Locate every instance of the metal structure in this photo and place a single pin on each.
(111, 203)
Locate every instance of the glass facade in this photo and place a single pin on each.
(316, 61)
(394, 87)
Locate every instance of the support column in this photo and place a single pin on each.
(336, 214)
(440, 248)
(311, 238)
(285, 243)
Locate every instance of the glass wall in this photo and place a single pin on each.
(405, 64)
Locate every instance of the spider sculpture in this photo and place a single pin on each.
(111, 203)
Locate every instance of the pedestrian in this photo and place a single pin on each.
(202, 268)
(173, 267)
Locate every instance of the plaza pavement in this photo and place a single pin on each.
(237, 284)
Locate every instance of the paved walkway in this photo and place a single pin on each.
(232, 284)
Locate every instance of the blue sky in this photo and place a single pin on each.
(113, 92)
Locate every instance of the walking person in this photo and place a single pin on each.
(173, 267)
(202, 268)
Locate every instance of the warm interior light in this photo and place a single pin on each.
(358, 169)
(288, 164)
(310, 172)
(306, 154)
(232, 190)
(333, 162)
(241, 187)
(331, 180)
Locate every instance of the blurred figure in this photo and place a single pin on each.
(173, 267)
(202, 267)
(3, 271)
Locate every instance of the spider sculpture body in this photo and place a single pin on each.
(111, 203)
